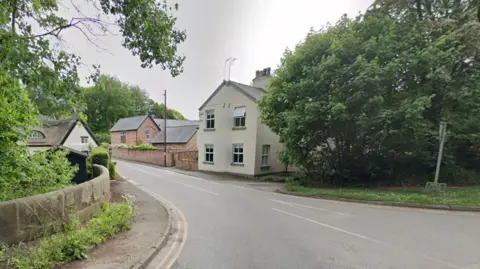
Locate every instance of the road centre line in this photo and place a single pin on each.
(329, 226)
(366, 238)
(176, 181)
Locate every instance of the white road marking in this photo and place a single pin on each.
(295, 204)
(175, 211)
(367, 238)
(329, 226)
(176, 181)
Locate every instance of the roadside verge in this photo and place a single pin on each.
(383, 203)
(136, 247)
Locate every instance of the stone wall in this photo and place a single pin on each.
(145, 156)
(31, 217)
(187, 160)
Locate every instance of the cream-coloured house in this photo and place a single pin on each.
(231, 137)
(71, 133)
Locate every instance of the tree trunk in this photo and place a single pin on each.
(419, 9)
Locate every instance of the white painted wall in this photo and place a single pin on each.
(74, 140)
(223, 137)
(266, 137)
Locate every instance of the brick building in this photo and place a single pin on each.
(181, 135)
(130, 130)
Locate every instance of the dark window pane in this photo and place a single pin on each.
(240, 158)
(235, 158)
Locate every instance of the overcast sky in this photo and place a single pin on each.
(256, 32)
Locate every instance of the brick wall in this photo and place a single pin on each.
(148, 124)
(145, 156)
(187, 160)
(131, 137)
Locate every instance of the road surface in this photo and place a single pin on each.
(233, 226)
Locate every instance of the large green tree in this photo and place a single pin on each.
(29, 28)
(361, 101)
(110, 99)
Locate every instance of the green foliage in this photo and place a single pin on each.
(39, 173)
(105, 145)
(75, 242)
(111, 170)
(454, 196)
(28, 30)
(110, 100)
(142, 147)
(100, 156)
(359, 102)
(103, 137)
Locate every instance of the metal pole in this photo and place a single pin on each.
(225, 68)
(443, 133)
(230, 67)
(165, 131)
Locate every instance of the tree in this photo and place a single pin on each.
(110, 100)
(50, 75)
(359, 102)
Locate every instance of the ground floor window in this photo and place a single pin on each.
(265, 152)
(238, 153)
(209, 153)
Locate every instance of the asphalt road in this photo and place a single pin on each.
(231, 225)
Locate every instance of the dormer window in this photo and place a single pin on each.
(35, 135)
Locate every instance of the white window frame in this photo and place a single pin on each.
(147, 134)
(209, 146)
(124, 136)
(210, 119)
(84, 137)
(265, 154)
(238, 146)
(239, 118)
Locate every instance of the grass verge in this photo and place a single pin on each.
(74, 242)
(454, 196)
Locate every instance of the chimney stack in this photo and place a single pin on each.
(261, 78)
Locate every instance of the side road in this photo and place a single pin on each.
(131, 249)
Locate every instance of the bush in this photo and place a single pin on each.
(74, 242)
(142, 147)
(100, 156)
(41, 172)
(111, 170)
(105, 145)
(103, 137)
(120, 146)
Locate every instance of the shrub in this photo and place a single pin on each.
(142, 147)
(111, 170)
(100, 156)
(41, 172)
(103, 137)
(74, 242)
(105, 145)
(120, 146)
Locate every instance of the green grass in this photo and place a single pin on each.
(71, 244)
(454, 196)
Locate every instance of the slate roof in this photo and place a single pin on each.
(128, 124)
(176, 135)
(176, 123)
(55, 132)
(251, 92)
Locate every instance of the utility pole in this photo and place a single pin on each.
(165, 130)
